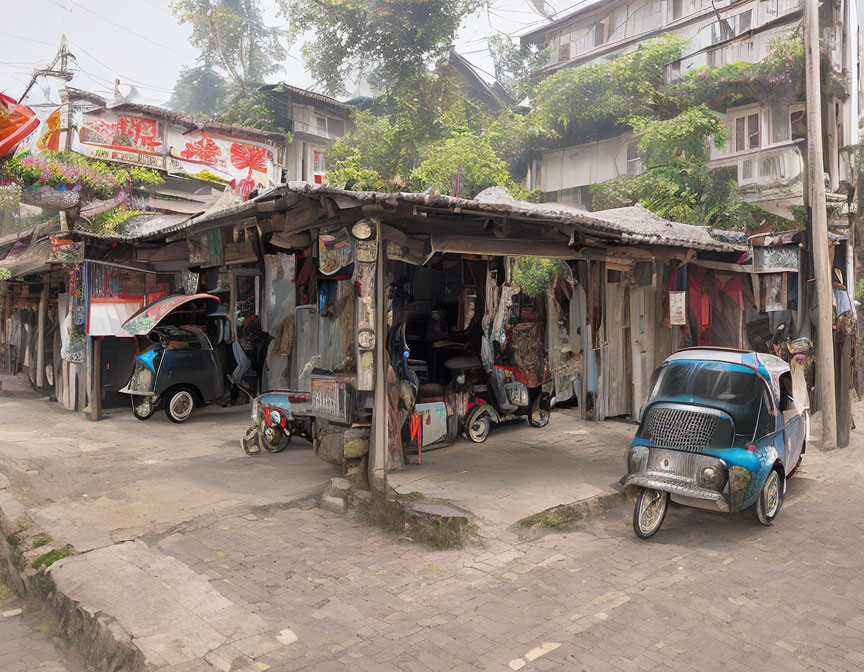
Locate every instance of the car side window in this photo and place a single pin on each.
(767, 421)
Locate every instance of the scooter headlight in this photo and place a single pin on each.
(276, 418)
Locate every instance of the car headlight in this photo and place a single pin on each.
(143, 379)
(709, 477)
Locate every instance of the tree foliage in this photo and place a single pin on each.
(465, 164)
(388, 41)
(518, 67)
(233, 35)
(534, 275)
(575, 105)
(199, 91)
(251, 110)
(775, 80)
(678, 182)
(389, 141)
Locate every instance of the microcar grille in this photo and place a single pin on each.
(680, 429)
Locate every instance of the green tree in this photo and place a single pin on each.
(575, 105)
(466, 163)
(389, 41)
(253, 111)
(389, 141)
(233, 35)
(677, 182)
(199, 91)
(518, 67)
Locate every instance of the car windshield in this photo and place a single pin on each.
(732, 388)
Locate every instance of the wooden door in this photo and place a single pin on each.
(616, 361)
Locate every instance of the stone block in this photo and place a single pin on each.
(334, 504)
(339, 487)
(356, 443)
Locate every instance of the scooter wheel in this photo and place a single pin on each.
(539, 414)
(478, 426)
(649, 512)
(249, 442)
(273, 439)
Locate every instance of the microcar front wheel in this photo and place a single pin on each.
(770, 499)
(142, 407)
(649, 512)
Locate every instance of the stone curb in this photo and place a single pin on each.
(567, 516)
(98, 637)
(102, 640)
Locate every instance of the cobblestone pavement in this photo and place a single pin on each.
(709, 590)
(25, 640)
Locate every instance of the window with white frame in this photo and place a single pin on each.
(677, 9)
(780, 128)
(748, 132)
(773, 166)
(600, 32)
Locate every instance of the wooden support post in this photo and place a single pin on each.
(40, 332)
(378, 449)
(819, 228)
(95, 405)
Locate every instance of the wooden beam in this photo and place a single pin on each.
(504, 247)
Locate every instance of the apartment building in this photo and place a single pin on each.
(315, 121)
(765, 150)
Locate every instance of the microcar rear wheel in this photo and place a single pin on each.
(143, 408)
(180, 404)
(770, 499)
(539, 415)
(478, 426)
(649, 512)
(273, 439)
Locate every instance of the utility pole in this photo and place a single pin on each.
(62, 72)
(819, 228)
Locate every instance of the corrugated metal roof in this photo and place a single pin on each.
(635, 224)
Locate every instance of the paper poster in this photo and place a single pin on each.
(677, 308)
(335, 251)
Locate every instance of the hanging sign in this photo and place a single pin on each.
(677, 308)
(106, 134)
(205, 249)
(189, 281)
(66, 251)
(335, 251)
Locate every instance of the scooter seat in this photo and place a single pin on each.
(462, 362)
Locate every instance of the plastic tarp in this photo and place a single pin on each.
(108, 317)
(16, 123)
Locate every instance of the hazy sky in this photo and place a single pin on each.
(141, 42)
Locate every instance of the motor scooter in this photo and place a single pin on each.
(504, 396)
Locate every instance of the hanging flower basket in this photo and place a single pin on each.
(46, 196)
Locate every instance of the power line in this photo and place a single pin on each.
(113, 70)
(117, 25)
(27, 39)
